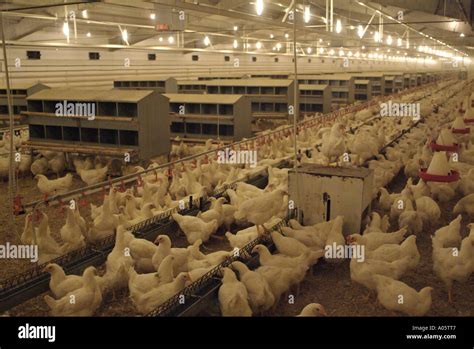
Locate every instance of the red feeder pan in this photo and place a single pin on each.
(461, 130)
(439, 147)
(468, 121)
(452, 177)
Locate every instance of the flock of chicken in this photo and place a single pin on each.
(155, 271)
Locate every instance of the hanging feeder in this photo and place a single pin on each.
(459, 127)
(438, 171)
(445, 142)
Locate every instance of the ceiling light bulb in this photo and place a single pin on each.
(360, 31)
(399, 42)
(278, 46)
(307, 14)
(331, 52)
(341, 53)
(84, 14)
(66, 28)
(389, 40)
(259, 45)
(321, 50)
(287, 35)
(160, 39)
(309, 50)
(462, 35)
(272, 36)
(125, 35)
(236, 28)
(88, 35)
(259, 7)
(377, 36)
(152, 16)
(170, 39)
(207, 41)
(338, 26)
(235, 44)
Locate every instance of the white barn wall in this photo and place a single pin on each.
(72, 67)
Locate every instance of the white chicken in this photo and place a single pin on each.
(139, 284)
(164, 249)
(363, 272)
(86, 299)
(465, 205)
(374, 240)
(155, 297)
(93, 176)
(428, 209)
(395, 295)
(260, 295)
(233, 296)
(449, 235)
(392, 252)
(453, 264)
(313, 310)
(261, 209)
(195, 228)
(71, 232)
(333, 142)
(54, 186)
(287, 245)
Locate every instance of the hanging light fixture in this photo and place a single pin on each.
(125, 35)
(85, 14)
(338, 26)
(360, 31)
(307, 14)
(207, 41)
(152, 16)
(399, 42)
(259, 7)
(389, 40)
(66, 28)
(377, 36)
(170, 39)
(309, 50)
(235, 44)
(88, 34)
(259, 45)
(278, 46)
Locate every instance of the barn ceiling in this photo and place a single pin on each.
(183, 25)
